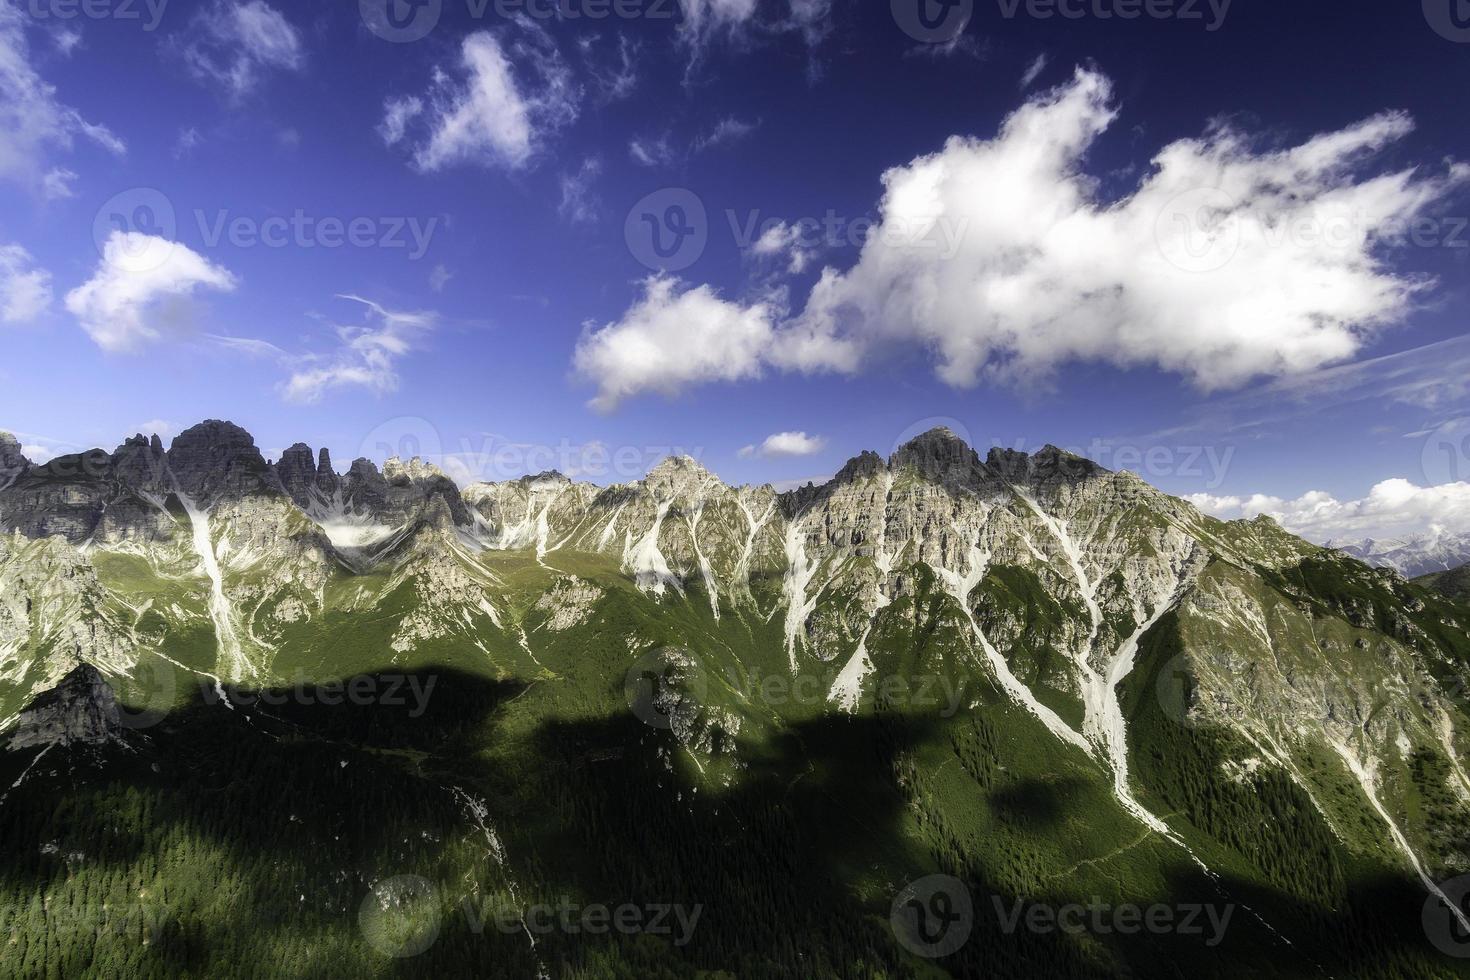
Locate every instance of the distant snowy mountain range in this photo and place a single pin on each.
(1413, 555)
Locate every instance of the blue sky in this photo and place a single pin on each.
(171, 176)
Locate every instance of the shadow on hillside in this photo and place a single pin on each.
(277, 817)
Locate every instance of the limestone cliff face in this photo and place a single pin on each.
(12, 462)
(80, 711)
(1048, 573)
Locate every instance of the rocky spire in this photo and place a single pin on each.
(12, 462)
(327, 480)
(141, 464)
(219, 459)
(297, 473)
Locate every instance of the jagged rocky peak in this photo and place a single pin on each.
(297, 473)
(676, 475)
(1048, 467)
(398, 473)
(938, 455)
(327, 480)
(141, 463)
(864, 466)
(403, 492)
(80, 710)
(12, 461)
(219, 459)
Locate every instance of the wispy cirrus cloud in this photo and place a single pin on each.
(510, 91)
(34, 122)
(367, 354)
(235, 45)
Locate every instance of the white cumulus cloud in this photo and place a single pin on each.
(141, 288)
(1228, 262)
(671, 338)
(25, 289)
(1393, 508)
(786, 444)
(504, 101)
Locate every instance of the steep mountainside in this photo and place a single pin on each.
(1454, 584)
(1047, 681)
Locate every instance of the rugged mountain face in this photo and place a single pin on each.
(1454, 584)
(1412, 556)
(80, 710)
(1181, 692)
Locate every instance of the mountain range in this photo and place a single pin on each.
(1413, 555)
(1024, 676)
